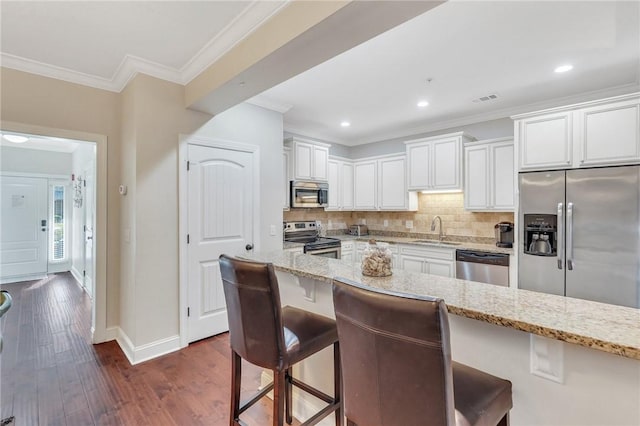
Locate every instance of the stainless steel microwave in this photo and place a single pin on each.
(307, 194)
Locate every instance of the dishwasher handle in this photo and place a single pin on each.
(487, 258)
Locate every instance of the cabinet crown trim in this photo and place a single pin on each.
(621, 98)
(309, 141)
(494, 140)
(438, 137)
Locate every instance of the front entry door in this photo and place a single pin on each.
(24, 227)
(220, 220)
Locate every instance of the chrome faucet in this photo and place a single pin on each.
(433, 227)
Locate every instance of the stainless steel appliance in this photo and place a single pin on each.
(483, 267)
(307, 233)
(358, 230)
(580, 234)
(308, 194)
(504, 234)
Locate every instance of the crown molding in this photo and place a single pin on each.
(254, 15)
(471, 119)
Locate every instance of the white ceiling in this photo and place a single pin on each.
(468, 48)
(104, 43)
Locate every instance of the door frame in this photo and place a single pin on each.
(99, 331)
(183, 211)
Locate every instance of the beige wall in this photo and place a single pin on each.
(456, 221)
(33, 100)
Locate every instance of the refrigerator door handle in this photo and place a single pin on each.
(570, 236)
(560, 251)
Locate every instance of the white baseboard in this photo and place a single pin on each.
(145, 352)
(111, 333)
(22, 278)
(77, 275)
(304, 405)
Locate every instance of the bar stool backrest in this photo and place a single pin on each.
(254, 311)
(396, 357)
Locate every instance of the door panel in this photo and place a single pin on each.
(220, 186)
(606, 241)
(89, 208)
(24, 235)
(540, 193)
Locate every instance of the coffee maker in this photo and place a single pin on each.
(504, 234)
(540, 234)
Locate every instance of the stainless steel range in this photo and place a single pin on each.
(307, 233)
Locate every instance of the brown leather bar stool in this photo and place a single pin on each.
(397, 368)
(266, 335)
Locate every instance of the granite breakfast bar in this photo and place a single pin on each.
(572, 362)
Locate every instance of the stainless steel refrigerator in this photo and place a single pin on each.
(579, 233)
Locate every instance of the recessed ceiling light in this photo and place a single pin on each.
(564, 68)
(15, 138)
(345, 124)
(423, 104)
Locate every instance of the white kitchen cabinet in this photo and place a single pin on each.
(365, 175)
(380, 184)
(546, 141)
(347, 251)
(598, 133)
(609, 133)
(286, 161)
(489, 175)
(435, 163)
(340, 178)
(310, 159)
(427, 260)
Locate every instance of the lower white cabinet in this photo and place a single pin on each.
(427, 260)
(347, 250)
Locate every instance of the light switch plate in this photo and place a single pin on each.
(409, 224)
(386, 223)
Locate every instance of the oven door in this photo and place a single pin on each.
(330, 252)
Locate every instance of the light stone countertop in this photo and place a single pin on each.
(412, 240)
(609, 328)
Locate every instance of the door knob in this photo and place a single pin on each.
(249, 247)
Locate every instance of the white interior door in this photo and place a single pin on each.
(220, 220)
(89, 208)
(23, 228)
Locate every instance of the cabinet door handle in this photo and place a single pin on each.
(560, 249)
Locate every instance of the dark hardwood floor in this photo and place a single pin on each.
(51, 374)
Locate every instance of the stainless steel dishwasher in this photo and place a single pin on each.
(484, 267)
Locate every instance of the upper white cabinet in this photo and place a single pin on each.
(286, 161)
(435, 163)
(609, 133)
(340, 185)
(365, 174)
(489, 175)
(381, 184)
(598, 133)
(310, 159)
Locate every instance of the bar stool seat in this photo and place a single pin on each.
(397, 367)
(269, 336)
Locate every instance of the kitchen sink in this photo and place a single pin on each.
(436, 242)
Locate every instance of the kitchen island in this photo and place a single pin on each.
(572, 362)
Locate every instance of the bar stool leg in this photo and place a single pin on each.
(337, 383)
(279, 396)
(289, 394)
(236, 377)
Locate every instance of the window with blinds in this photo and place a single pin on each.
(58, 221)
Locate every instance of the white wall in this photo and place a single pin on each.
(23, 160)
(82, 159)
(250, 124)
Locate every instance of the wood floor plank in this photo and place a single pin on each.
(51, 374)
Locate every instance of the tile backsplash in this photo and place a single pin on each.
(456, 221)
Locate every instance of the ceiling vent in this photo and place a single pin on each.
(486, 98)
